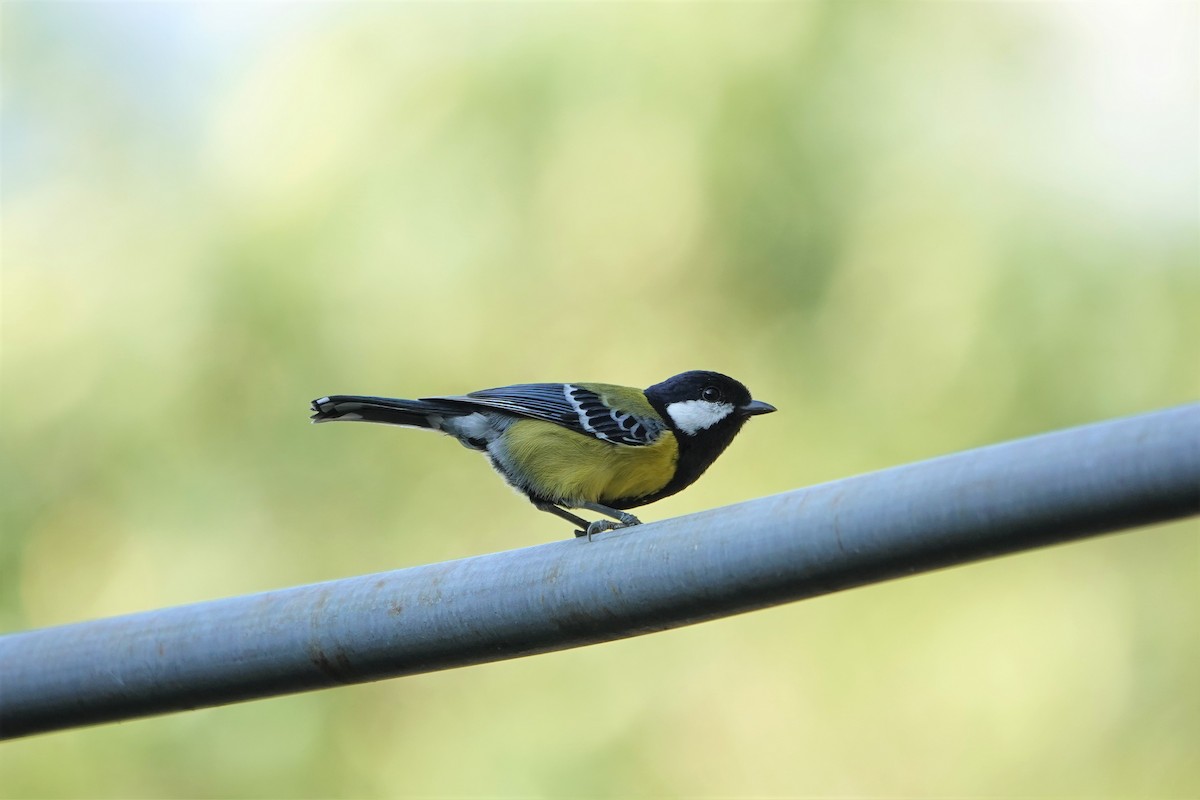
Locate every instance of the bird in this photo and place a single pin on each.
(594, 446)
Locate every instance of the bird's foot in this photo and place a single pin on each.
(601, 525)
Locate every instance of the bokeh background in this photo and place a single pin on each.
(914, 227)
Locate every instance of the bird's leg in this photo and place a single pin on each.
(626, 519)
(588, 529)
(550, 508)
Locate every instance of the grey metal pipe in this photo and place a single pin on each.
(950, 510)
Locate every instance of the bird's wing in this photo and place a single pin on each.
(586, 408)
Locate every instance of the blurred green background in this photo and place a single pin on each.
(914, 227)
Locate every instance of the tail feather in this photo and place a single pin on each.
(387, 410)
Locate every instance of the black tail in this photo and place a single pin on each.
(388, 410)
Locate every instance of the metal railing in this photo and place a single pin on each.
(950, 510)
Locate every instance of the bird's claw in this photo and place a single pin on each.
(601, 525)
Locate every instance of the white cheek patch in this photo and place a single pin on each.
(691, 416)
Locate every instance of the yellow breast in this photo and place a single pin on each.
(569, 468)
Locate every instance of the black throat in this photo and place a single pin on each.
(697, 452)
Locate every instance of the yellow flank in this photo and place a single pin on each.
(572, 468)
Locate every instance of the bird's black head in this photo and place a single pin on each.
(705, 410)
(698, 403)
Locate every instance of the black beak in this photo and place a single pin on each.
(756, 407)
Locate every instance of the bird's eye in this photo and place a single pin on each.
(712, 394)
